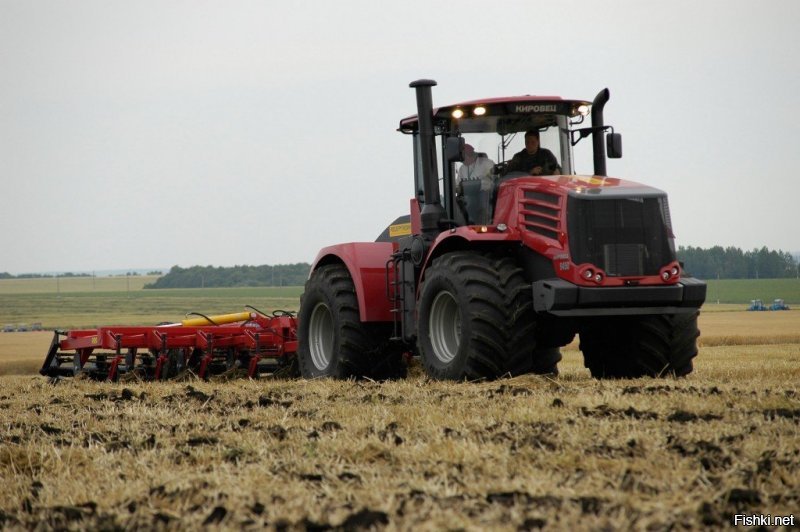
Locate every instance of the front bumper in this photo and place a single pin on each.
(562, 298)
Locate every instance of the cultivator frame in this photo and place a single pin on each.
(243, 344)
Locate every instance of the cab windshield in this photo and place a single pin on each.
(498, 148)
(488, 161)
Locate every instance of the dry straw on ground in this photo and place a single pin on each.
(512, 454)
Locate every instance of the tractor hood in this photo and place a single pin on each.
(590, 187)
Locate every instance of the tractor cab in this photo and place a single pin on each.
(476, 140)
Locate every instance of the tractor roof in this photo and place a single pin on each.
(502, 115)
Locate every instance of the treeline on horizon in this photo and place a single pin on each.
(733, 263)
(233, 276)
(712, 263)
(6, 275)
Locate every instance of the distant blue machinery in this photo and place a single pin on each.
(778, 304)
(757, 304)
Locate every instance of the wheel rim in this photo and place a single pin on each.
(321, 335)
(445, 327)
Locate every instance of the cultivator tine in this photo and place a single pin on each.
(130, 365)
(252, 369)
(207, 358)
(161, 358)
(83, 358)
(77, 364)
(160, 362)
(116, 361)
(51, 366)
(112, 370)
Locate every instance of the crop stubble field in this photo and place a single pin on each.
(519, 453)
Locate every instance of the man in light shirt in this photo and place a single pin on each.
(474, 185)
(475, 166)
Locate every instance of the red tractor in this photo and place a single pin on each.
(491, 274)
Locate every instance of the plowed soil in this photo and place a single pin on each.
(515, 454)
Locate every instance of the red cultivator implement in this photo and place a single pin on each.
(241, 344)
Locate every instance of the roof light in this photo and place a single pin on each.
(457, 113)
(479, 111)
(583, 109)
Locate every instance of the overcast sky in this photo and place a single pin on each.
(148, 134)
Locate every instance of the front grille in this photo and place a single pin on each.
(623, 236)
(624, 259)
(540, 213)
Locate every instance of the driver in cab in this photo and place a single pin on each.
(533, 160)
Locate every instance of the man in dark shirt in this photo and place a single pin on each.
(533, 159)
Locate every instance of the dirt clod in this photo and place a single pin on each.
(216, 516)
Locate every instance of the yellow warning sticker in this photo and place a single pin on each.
(591, 180)
(399, 230)
(95, 340)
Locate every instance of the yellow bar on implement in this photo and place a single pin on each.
(218, 320)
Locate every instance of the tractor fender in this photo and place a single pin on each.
(366, 262)
(471, 237)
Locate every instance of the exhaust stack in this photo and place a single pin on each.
(598, 135)
(432, 211)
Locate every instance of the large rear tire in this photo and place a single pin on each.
(474, 316)
(333, 342)
(639, 346)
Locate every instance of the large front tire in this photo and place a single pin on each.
(333, 342)
(474, 316)
(640, 346)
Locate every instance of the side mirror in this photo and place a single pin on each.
(454, 149)
(614, 145)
